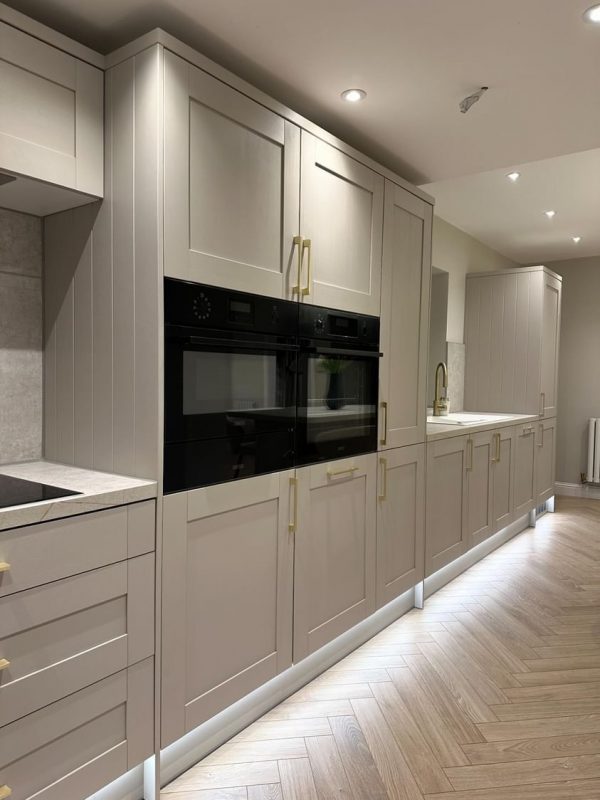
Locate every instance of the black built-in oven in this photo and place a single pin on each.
(338, 384)
(230, 384)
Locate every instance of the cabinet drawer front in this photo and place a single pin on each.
(65, 635)
(49, 551)
(75, 746)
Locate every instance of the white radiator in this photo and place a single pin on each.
(593, 462)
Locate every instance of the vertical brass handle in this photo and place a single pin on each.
(297, 240)
(541, 430)
(5, 791)
(384, 406)
(293, 524)
(494, 458)
(307, 245)
(383, 465)
(498, 448)
(4, 663)
(469, 466)
(542, 403)
(4, 566)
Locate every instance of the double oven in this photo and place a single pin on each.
(256, 384)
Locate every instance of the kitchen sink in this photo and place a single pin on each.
(465, 419)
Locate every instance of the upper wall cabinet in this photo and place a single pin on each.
(232, 171)
(404, 317)
(341, 220)
(51, 126)
(512, 329)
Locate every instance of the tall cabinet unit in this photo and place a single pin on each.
(512, 328)
(404, 318)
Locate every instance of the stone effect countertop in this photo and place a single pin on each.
(436, 430)
(98, 490)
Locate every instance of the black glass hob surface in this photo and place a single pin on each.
(17, 491)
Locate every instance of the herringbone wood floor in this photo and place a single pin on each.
(492, 692)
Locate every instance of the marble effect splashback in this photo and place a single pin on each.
(21, 363)
(456, 375)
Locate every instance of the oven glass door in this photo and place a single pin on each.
(230, 409)
(337, 412)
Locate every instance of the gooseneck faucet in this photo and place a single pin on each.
(440, 404)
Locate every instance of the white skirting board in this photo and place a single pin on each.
(578, 490)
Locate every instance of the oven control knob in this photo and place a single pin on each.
(319, 324)
(202, 306)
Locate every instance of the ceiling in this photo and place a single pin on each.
(416, 59)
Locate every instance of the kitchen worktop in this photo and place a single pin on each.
(436, 431)
(97, 490)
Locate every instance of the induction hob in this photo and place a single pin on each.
(17, 491)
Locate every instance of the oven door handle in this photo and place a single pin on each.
(239, 344)
(339, 351)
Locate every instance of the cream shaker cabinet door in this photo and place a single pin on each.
(404, 318)
(525, 492)
(550, 345)
(503, 477)
(400, 521)
(479, 487)
(545, 459)
(341, 219)
(232, 172)
(226, 596)
(446, 530)
(334, 578)
(51, 116)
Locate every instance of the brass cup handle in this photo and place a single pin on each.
(293, 523)
(383, 465)
(297, 243)
(4, 566)
(5, 791)
(384, 406)
(307, 245)
(469, 466)
(334, 473)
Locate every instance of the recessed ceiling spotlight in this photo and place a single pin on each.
(592, 14)
(354, 95)
(576, 239)
(550, 214)
(513, 176)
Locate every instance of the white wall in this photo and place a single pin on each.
(579, 359)
(458, 253)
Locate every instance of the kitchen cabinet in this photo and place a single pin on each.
(335, 550)
(545, 460)
(341, 219)
(400, 521)
(447, 514)
(226, 596)
(404, 318)
(503, 477)
(525, 489)
(512, 328)
(51, 126)
(480, 487)
(550, 345)
(232, 171)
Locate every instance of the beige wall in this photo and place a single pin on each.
(579, 365)
(458, 253)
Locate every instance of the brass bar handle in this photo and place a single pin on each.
(542, 403)
(293, 524)
(297, 240)
(541, 430)
(383, 465)
(528, 430)
(469, 466)
(333, 473)
(307, 245)
(384, 406)
(4, 566)
(498, 448)
(4, 663)
(494, 458)
(5, 791)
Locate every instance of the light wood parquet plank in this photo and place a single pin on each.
(310, 709)
(238, 793)
(253, 751)
(270, 791)
(536, 709)
(537, 728)
(550, 677)
(526, 749)
(562, 691)
(567, 790)
(365, 781)
(328, 771)
(224, 776)
(297, 782)
(284, 729)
